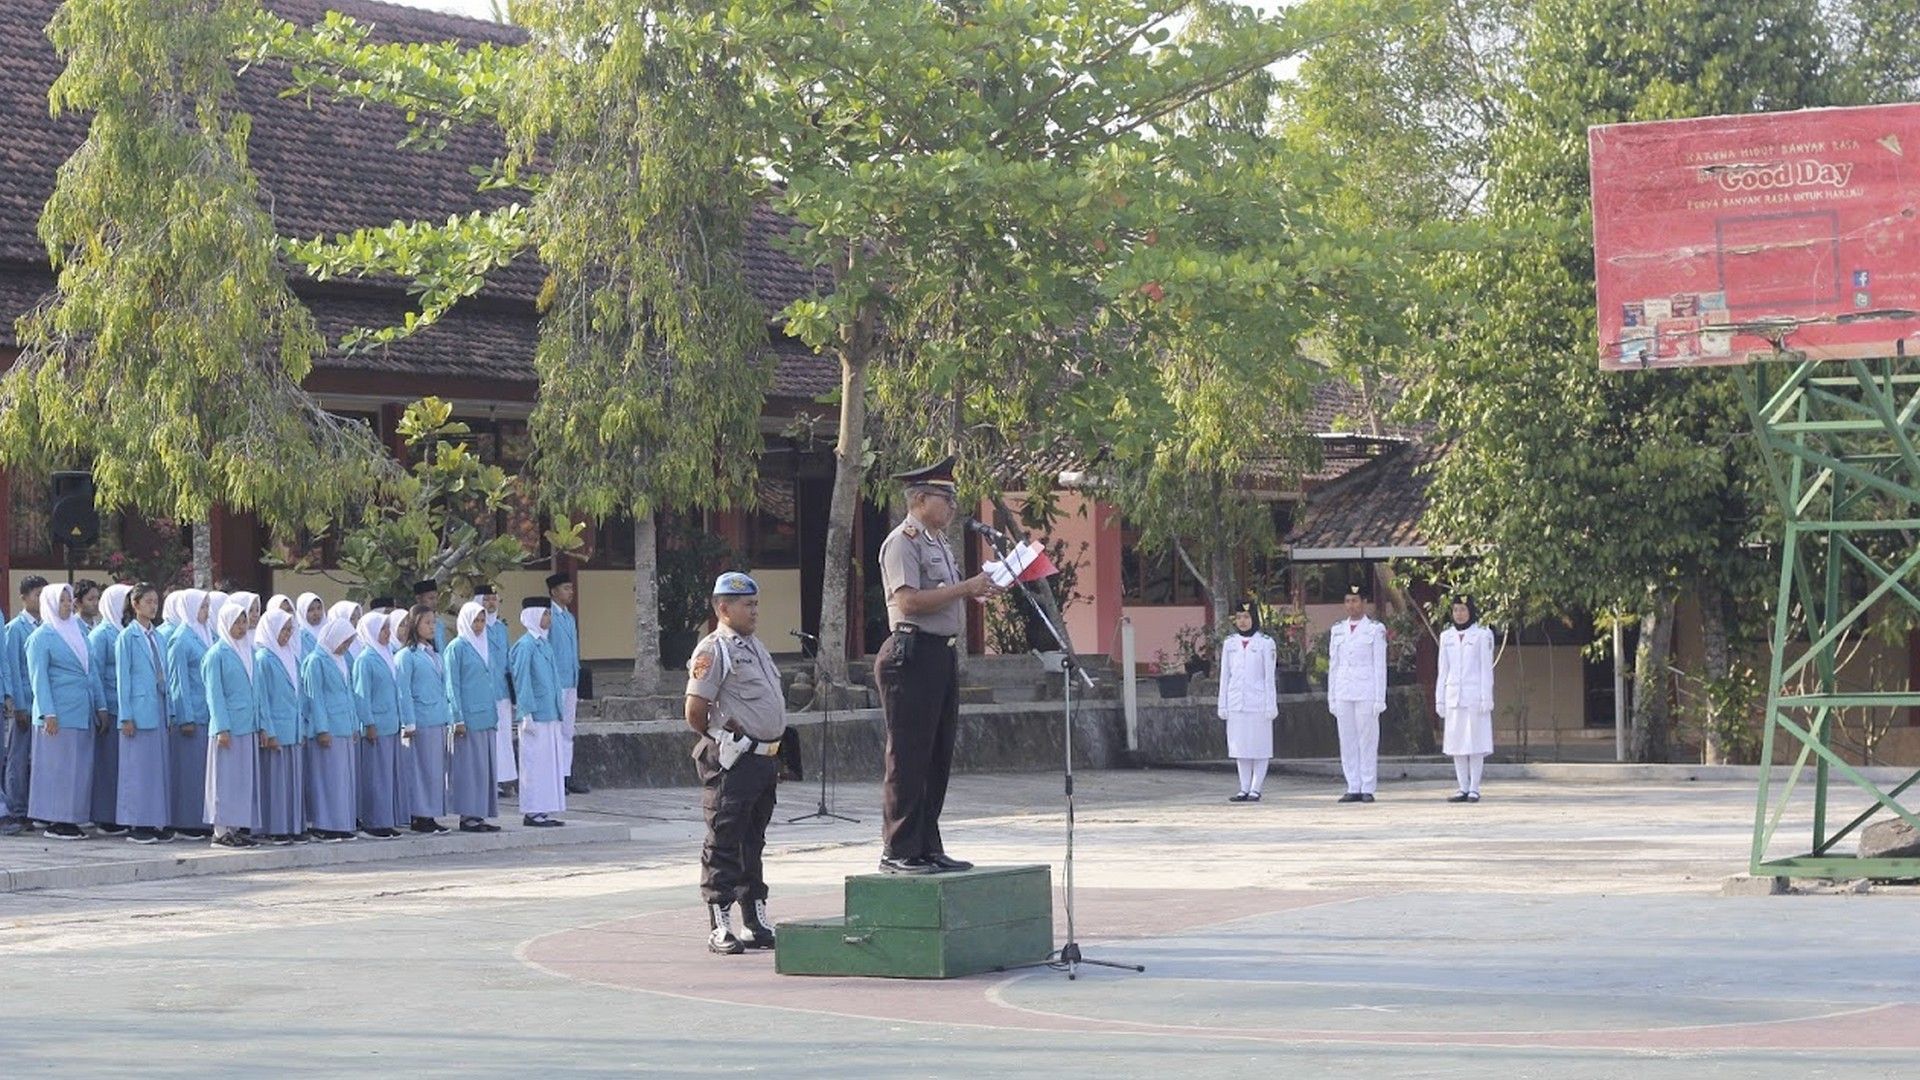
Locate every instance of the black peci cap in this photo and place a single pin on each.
(484, 589)
(554, 581)
(381, 602)
(422, 588)
(536, 602)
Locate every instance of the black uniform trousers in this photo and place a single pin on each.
(921, 699)
(738, 803)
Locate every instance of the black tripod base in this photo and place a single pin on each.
(823, 814)
(1068, 958)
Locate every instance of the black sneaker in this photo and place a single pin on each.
(281, 840)
(111, 829)
(425, 825)
(947, 864)
(143, 836)
(328, 836)
(721, 938)
(1242, 797)
(911, 865)
(167, 836)
(472, 825)
(1458, 796)
(195, 834)
(1366, 798)
(1351, 796)
(64, 830)
(232, 840)
(753, 919)
(12, 826)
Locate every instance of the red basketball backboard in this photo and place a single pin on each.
(1715, 237)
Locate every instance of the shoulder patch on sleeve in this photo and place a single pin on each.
(702, 663)
(910, 532)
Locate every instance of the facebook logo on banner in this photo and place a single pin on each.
(1859, 279)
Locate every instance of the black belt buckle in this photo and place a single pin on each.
(905, 636)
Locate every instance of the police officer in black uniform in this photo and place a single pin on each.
(917, 672)
(735, 704)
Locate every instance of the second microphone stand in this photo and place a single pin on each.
(822, 691)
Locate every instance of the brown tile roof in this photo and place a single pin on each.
(334, 168)
(1375, 504)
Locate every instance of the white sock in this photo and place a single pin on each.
(1259, 775)
(1246, 773)
(1460, 770)
(1473, 776)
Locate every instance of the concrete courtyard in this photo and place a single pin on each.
(1554, 930)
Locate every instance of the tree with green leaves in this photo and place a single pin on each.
(171, 357)
(1575, 488)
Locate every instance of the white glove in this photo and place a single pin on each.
(731, 747)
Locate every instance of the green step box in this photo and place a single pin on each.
(936, 926)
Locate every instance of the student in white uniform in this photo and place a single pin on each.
(536, 701)
(1463, 695)
(1357, 693)
(1247, 699)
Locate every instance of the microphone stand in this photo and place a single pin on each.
(1068, 957)
(823, 812)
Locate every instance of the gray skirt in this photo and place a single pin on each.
(383, 802)
(106, 774)
(283, 798)
(141, 795)
(424, 765)
(61, 788)
(333, 774)
(233, 783)
(472, 788)
(187, 792)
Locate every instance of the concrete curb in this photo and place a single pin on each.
(197, 858)
(1570, 772)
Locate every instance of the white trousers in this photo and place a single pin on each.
(1466, 768)
(543, 787)
(1359, 744)
(1253, 774)
(503, 767)
(569, 708)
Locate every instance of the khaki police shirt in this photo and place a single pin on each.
(915, 557)
(738, 675)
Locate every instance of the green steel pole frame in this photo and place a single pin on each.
(1841, 446)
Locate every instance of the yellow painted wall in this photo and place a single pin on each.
(779, 609)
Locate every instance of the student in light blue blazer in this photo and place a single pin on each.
(383, 711)
(187, 713)
(233, 709)
(331, 724)
(499, 661)
(106, 741)
(68, 704)
(15, 781)
(536, 701)
(283, 780)
(423, 682)
(564, 636)
(140, 682)
(471, 781)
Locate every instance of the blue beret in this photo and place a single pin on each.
(735, 583)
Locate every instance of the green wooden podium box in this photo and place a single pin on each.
(933, 926)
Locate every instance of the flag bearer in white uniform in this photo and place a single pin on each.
(1463, 695)
(1357, 693)
(1247, 701)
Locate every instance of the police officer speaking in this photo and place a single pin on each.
(735, 704)
(917, 673)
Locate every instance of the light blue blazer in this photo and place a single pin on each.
(536, 687)
(186, 683)
(499, 659)
(62, 686)
(564, 637)
(232, 702)
(328, 702)
(140, 688)
(422, 683)
(20, 685)
(278, 695)
(470, 692)
(381, 705)
(100, 646)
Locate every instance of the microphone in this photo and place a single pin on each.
(804, 636)
(989, 533)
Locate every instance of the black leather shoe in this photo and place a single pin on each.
(1242, 797)
(1457, 797)
(541, 822)
(947, 864)
(1351, 796)
(912, 865)
(1366, 798)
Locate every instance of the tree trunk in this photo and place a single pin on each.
(1220, 566)
(1719, 660)
(203, 552)
(646, 606)
(1652, 709)
(849, 452)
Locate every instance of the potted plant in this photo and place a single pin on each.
(1195, 648)
(1173, 684)
(1291, 647)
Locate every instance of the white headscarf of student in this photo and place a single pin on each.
(230, 615)
(70, 629)
(170, 609)
(470, 611)
(281, 602)
(196, 606)
(248, 601)
(215, 601)
(396, 619)
(305, 604)
(113, 605)
(334, 633)
(346, 611)
(268, 638)
(530, 618)
(370, 626)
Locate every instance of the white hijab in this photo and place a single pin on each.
(69, 628)
(468, 611)
(346, 611)
(370, 626)
(332, 633)
(229, 615)
(305, 604)
(195, 607)
(530, 618)
(113, 605)
(247, 601)
(170, 609)
(268, 638)
(277, 599)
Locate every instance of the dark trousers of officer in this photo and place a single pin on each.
(19, 755)
(921, 699)
(738, 803)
